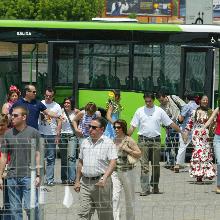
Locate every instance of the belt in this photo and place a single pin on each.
(67, 135)
(94, 177)
(153, 139)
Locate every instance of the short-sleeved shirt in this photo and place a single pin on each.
(47, 124)
(85, 122)
(149, 120)
(186, 112)
(96, 156)
(66, 127)
(18, 144)
(171, 108)
(34, 108)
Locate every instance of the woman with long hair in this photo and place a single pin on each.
(126, 146)
(68, 141)
(113, 108)
(82, 120)
(13, 96)
(201, 166)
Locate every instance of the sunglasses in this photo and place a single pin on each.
(117, 127)
(15, 115)
(93, 127)
(48, 96)
(33, 91)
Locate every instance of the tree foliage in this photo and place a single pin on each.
(68, 10)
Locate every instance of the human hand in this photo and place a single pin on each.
(101, 182)
(1, 184)
(185, 137)
(76, 186)
(79, 133)
(37, 181)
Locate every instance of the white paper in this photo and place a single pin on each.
(68, 197)
(42, 195)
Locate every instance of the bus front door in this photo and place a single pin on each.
(63, 69)
(197, 71)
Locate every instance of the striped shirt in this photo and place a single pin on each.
(96, 156)
(85, 122)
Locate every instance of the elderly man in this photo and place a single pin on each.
(97, 160)
(148, 119)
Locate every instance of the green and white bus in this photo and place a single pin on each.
(87, 59)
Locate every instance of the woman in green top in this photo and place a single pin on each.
(125, 146)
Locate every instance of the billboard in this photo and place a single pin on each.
(139, 7)
(216, 8)
(199, 12)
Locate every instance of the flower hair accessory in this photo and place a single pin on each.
(14, 88)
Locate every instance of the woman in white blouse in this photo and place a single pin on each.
(68, 143)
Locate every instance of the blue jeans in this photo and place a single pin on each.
(20, 189)
(50, 155)
(216, 143)
(68, 157)
(172, 142)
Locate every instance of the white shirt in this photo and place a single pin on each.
(149, 120)
(66, 128)
(48, 125)
(96, 156)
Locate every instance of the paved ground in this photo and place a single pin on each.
(180, 199)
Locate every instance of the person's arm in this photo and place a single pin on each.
(108, 172)
(58, 130)
(5, 109)
(214, 114)
(75, 122)
(109, 114)
(3, 161)
(131, 130)
(78, 175)
(37, 180)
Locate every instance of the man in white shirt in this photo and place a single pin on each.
(49, 129)
(97, 160)
(148, 119)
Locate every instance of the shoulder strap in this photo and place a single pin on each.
(71, 125)
(176, 103)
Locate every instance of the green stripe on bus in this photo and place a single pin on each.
(91, 25)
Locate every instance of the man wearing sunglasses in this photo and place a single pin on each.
(33, 105)
(148, 119)
(17, 142)
(97, 160)
(50, 129)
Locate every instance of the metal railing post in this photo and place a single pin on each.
(42, 201)
(33, 176)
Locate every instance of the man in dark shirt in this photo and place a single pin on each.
(17, 142)
(34, 106)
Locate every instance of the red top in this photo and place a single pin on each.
(217, 130)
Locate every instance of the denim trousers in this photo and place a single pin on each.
(19, 189)
(50, 155)
(216, 143)
(172, 142)
(68, 157)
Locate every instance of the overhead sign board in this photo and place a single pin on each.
(139, 7)
(199, 12)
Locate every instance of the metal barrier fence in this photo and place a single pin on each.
(180, 197)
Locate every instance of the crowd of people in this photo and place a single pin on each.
(107, 154)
